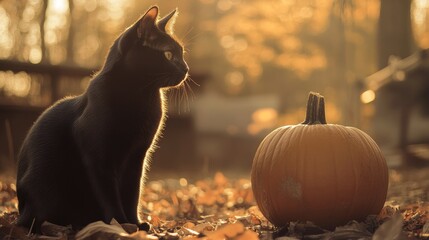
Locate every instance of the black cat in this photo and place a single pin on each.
(85, 157)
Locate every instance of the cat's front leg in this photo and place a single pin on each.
(130, 185)
(105, 184)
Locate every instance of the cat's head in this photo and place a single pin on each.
(148, 49)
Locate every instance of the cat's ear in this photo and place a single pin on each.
(145, 29)
(170, 19)
(147, 24)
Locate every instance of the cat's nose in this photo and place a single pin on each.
(184, 68)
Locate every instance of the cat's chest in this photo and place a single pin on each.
(142, 129)
(136, 117)
(126, 112)
(130, 106)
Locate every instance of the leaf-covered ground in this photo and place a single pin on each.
(222, 208)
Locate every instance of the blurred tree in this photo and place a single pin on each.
(351, 42)
(395, 35)
(400, 99)
(44, 53)
(71, 35)
(261, 35)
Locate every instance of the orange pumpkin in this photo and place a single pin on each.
(325, 173)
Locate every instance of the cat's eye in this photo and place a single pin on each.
(168, 55)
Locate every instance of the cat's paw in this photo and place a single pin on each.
(130, 227)
(145, 226)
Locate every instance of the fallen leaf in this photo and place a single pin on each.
(207, 198)
(100, 230)
(190, 231)
(391, 229)
(425, 229)
(287, 238)
(226, 232)
(352, 230)
(189, 225)
(44, 237)
(154, 220)
(11, 231)
(189, 209)
(247, 235)
(53, 230)
(254, 210)
(203, 227)
(387, 212)
(220, 180)
(170, 224)
(142, 235)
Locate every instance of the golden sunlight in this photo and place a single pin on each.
(420, 18)
(15, 84)
(367, 96)
(234, 81)
(265, 115)
(57, 18)
(6, 41)
(35, 55)
(253, 37)
(59, 6)
(263, 118)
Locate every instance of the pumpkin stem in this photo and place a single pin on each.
(315, 109)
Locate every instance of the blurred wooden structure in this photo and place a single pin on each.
(16, 117)
(18, 114)
(54, 72)
(407, 82)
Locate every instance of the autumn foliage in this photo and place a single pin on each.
(222, 208)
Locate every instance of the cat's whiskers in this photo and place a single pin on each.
(183, 38)
(189, 97)
(183, 95)
(192, 81)
(186, 42)
(188, 32)
(188, 84)
(174, 96)
(190, 40)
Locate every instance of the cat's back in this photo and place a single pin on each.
(56, 119)
(51, 131)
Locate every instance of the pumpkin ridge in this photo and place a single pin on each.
(344, 135)
(303, 166)
(273, 168)
(266, 141)
(267, 154)
(376, 187)
(258, 163)
(373, 187)
(335, 173)
(292, 182)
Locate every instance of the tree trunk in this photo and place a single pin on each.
(394, 30)
(71, 34)
(45, 54)
(395, 37)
